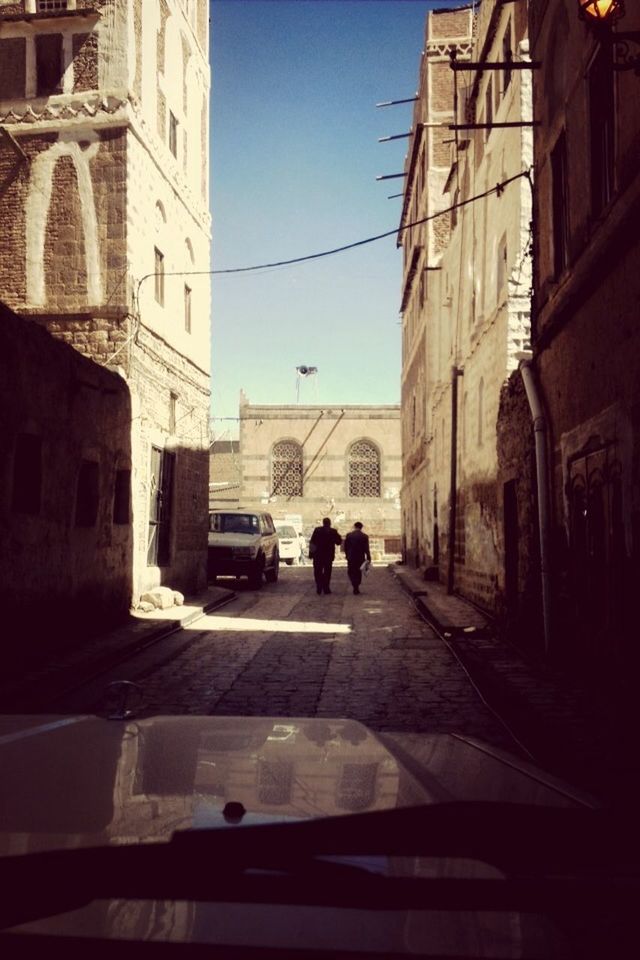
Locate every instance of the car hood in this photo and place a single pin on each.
(234, 539)
(84, 781)
(77, 781)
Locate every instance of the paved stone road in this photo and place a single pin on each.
(284, 651)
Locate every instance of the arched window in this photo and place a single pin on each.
(286, 469)
(364, 470)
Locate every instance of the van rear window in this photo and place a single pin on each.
(233, 523)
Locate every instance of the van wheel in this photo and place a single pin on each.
(255, 578)
(271, 576)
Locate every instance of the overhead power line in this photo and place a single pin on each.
(497, 189)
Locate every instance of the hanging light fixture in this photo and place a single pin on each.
(601, 11)
(602, 15)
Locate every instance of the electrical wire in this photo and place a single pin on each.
(498, 189)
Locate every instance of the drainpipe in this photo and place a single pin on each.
(455, 373)
(542, 472)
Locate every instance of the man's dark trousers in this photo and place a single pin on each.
(322, 573)
(354, 572)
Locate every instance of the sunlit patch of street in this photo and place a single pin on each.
(247, 624)
(285, 651)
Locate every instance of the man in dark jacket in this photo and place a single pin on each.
(356, 548)
(322, 545)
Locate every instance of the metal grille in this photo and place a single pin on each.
(357, 787)
(287, 469)
(364, 470)
(44, 6)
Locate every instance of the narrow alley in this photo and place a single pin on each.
(284, 651)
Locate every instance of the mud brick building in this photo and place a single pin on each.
(467, 286)
(224, 473)
(585, 368)
(105, 220)
(65, 481)
(313, 461)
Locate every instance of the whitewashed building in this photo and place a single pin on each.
(104, 137)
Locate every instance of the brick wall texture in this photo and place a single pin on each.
(79, 230)
(85, 61)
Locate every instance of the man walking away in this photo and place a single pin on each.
(322, 548)
(356, 548)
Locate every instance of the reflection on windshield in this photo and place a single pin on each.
(233, 523)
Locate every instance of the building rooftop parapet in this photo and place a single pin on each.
(12, 16)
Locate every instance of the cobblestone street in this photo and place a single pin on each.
(284, 651)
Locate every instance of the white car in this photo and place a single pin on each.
(290, 547)
(243, 543)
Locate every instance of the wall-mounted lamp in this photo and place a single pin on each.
(601, 11)
(602, 15)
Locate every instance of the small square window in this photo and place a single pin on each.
(46, 6)
(159, 276)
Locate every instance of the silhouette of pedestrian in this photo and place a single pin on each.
(322, 548)
(356, 548)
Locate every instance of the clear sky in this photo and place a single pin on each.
(294, 157)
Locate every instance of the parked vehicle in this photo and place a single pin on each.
(290, 548)
(243, 543)
(304, 838)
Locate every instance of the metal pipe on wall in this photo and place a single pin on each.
(542, 478)
(453, 491)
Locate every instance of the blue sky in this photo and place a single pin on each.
(294, 157)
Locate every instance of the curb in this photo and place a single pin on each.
(22, 694)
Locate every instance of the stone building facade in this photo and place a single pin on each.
(466, 295)
(427, 166)
(342, 462)
(104, 172)
(224, 473)
(65, 479)
(585, 335)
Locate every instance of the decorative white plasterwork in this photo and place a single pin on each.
(37, 213)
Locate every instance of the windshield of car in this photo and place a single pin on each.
(234, 523)
(286, 532)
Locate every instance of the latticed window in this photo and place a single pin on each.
(286, 477)
(364, 470)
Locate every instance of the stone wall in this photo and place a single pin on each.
(473, 311)
(518, 602)
(58, 566)
(586, 339)
(65, 219)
